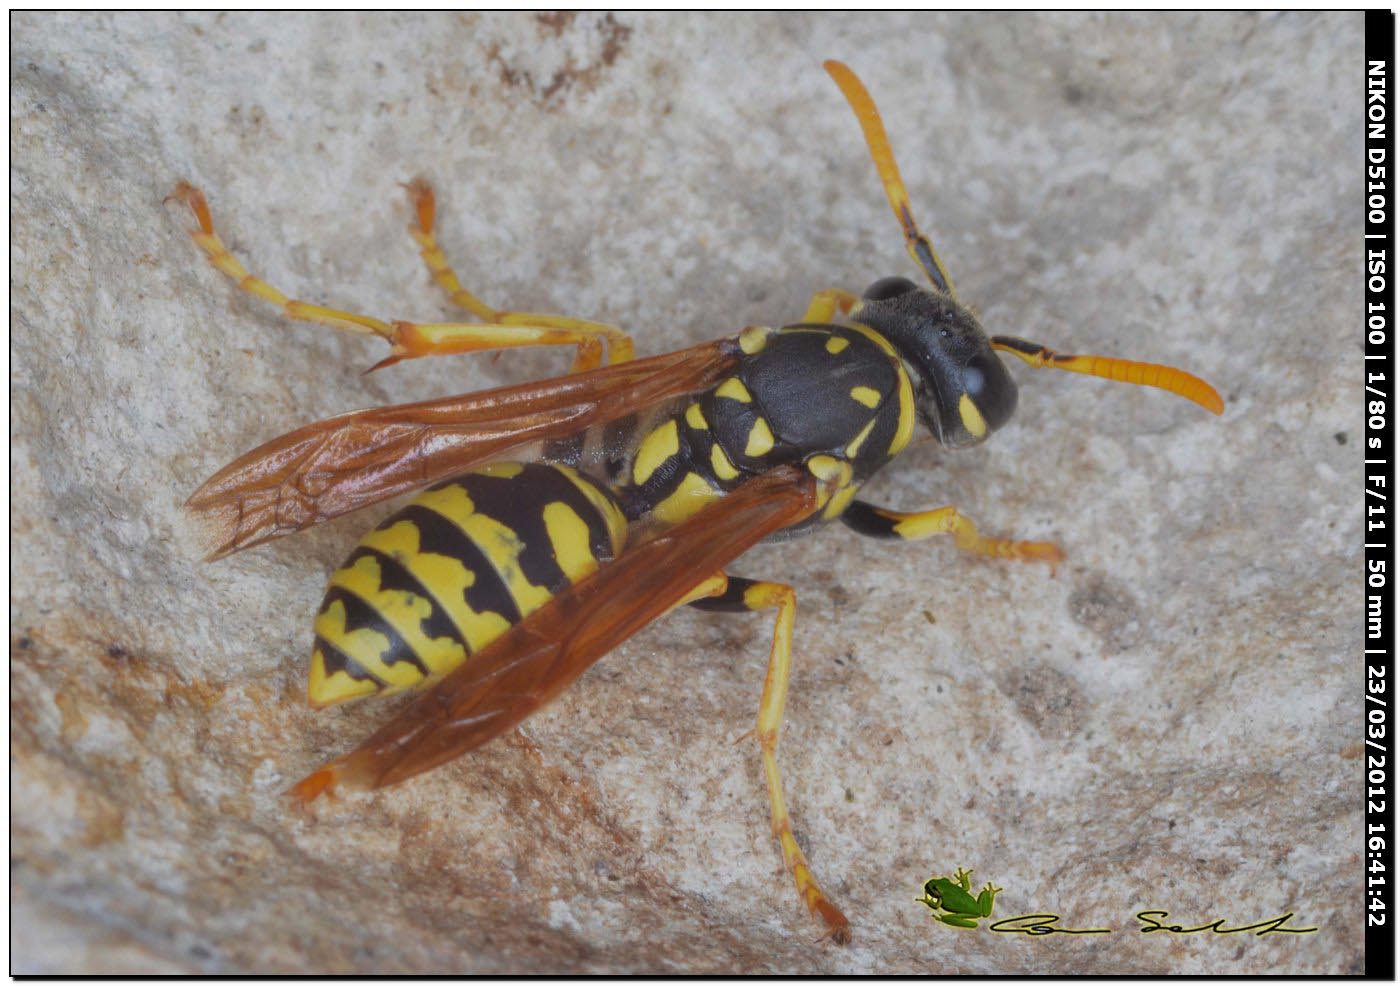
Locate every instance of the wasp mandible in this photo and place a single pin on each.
(558, 518)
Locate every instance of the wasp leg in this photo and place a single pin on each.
(512, 329)
(208, 240)
(620, 347)
(872, 521)
(744, 595)
(712, 588)
(827, 304)
(409, 339)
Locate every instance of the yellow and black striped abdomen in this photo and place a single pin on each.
(453, 570)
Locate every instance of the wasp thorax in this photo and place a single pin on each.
(965, 393)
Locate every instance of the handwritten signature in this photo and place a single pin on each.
(1036, 925)
(1150, 923)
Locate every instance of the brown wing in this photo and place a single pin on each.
(539, 657)
(352, 460)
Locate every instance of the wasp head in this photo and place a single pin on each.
(964, 393)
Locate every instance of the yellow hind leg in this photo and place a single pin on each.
(739, 595)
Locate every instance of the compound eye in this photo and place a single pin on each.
(889, 287)
(991, 389)
(974, 380)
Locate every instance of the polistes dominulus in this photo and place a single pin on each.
(560, 517)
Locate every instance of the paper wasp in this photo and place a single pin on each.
(560, 517)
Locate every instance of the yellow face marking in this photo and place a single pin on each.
(323, 689)
(839, 501)
(568, 537)
(868, 396)
(972, 419)
(835, 344)
(854, 448)
(720, 463)
(501, 545)
(696, 418)
(656, 448)
(760, 441)
(753, 339)
(448, 579)
(607, 508)
(734, 389)
(402, 610)
(689, 499)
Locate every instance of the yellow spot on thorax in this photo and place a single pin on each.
(696, 418)
(830, 470)
(853, 449)
(834, 474)
(868, 396)
(836, 344)
(904, 430)
(663, 442)
(760, 441)
(720, 463)
(753, 339)
(734, 389)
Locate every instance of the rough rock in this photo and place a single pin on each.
(1171, 721)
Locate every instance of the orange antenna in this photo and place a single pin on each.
(1193, 388)
(875, 138)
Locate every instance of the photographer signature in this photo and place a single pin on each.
(951, 901)
(1046, 924)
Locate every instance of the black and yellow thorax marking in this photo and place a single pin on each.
(834, 395)
(453, 570)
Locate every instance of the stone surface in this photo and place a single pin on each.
(1171, 721)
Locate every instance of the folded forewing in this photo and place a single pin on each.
(347, 462)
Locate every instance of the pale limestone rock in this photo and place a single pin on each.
(1171, 721)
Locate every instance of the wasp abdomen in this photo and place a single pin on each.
(453, 570)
